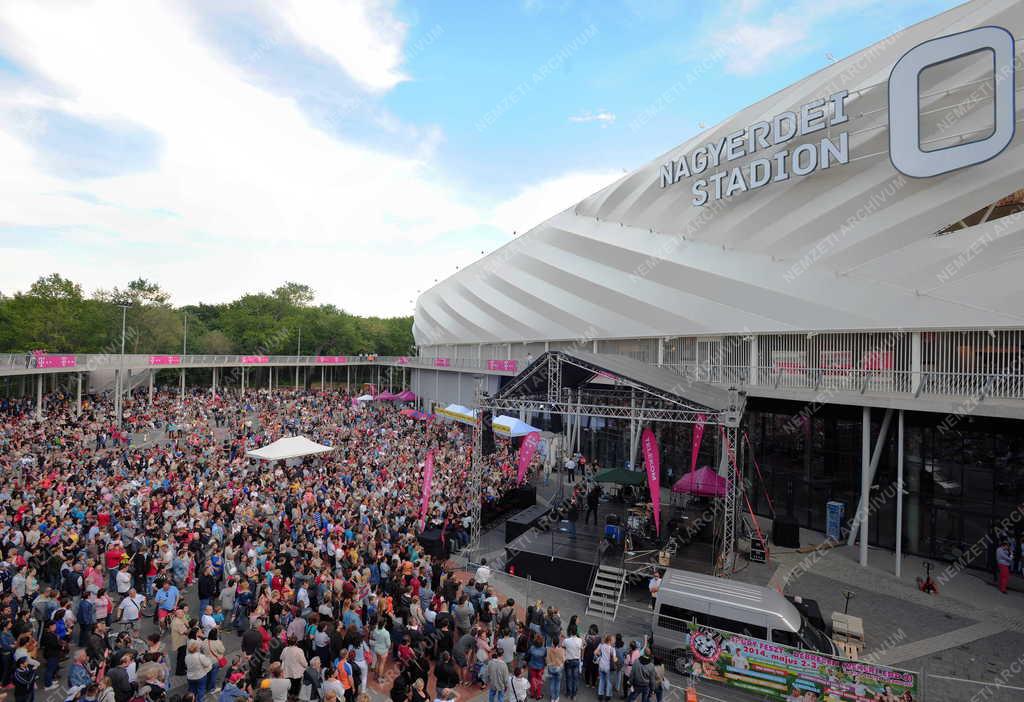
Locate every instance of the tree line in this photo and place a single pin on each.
(57, 316)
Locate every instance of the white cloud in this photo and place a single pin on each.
(363, 36)
(603, 116)
(748, 47)
(535, 203)
(754, 36)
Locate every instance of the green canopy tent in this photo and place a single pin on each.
(620, 476)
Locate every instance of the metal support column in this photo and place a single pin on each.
(754, 361)
(242, 375)
(151, 374)
(883, 434)
(213, 383)
(323, 378)
(39, 396)
(899, 495)
(865, 486)
(182, 384)
(728, 437)
(270, 379)
(348, 378)
(78, 397)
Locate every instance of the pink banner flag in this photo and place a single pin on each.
(698, 435)
(442, 362)
(652, 463)
(55, 360)
(255, 359)
(165, 360)
(428, 477)
(501, 364)
(526, 452)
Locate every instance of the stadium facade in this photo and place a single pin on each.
(849, 251)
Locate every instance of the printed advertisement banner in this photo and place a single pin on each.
(652, 463)
(526, 452)
(501, 364)
(326, 360)
(165, 360)
(783, 673)
(442, 363)
(255, 359)
(51, 360)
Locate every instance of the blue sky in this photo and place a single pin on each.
(366, 147)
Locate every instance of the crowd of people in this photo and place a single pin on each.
(143, 561)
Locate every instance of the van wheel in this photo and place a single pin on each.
(681, 661)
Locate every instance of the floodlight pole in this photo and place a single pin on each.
(475, 471)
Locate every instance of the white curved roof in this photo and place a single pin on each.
(852, 247)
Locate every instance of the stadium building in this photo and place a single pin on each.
(849, 252)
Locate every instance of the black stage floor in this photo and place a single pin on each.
(556, 557)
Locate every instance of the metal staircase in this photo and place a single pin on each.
(606, 592)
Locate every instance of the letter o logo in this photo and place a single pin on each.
(904, 110)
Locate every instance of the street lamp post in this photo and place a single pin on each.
(184, 351)
(297, 355)
(119, 403)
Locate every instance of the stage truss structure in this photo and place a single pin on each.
(578, 384)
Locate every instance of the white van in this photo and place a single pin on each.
(739, 608)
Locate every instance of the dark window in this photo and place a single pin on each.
(786, 638)
(675, 618)
(735, 627)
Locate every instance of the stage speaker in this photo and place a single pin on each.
(786, 532)
(487, 426)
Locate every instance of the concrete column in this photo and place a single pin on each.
(915, 362)
(78, 396)
(213, 382)
(242, 370)
(151, 374)
(899, 495)
(323, 378)
(865, 483)
(183, 384)
(754, 360)
(661, 350)
(508, 352)
(39, 396)
(270, 378)
(348, 378)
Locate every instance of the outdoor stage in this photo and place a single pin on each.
(554, 556)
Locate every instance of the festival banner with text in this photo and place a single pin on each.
(652, 463)
(526, 452)
(777, 672)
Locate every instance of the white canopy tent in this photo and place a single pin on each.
(288, 447)
(459, 413)
(365, 398)
(512, 426)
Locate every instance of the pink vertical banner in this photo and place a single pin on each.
(698, 435)
(428, 477)
(526, 452)
(652, 463)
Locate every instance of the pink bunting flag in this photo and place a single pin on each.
(526, 452)
(652, 463)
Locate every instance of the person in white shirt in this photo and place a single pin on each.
(483, 573)
(518, 686)
(573, 664)
(130, 609)
(653, 586)
(207, 621)
(124, 581)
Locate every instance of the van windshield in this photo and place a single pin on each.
(814, 638)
